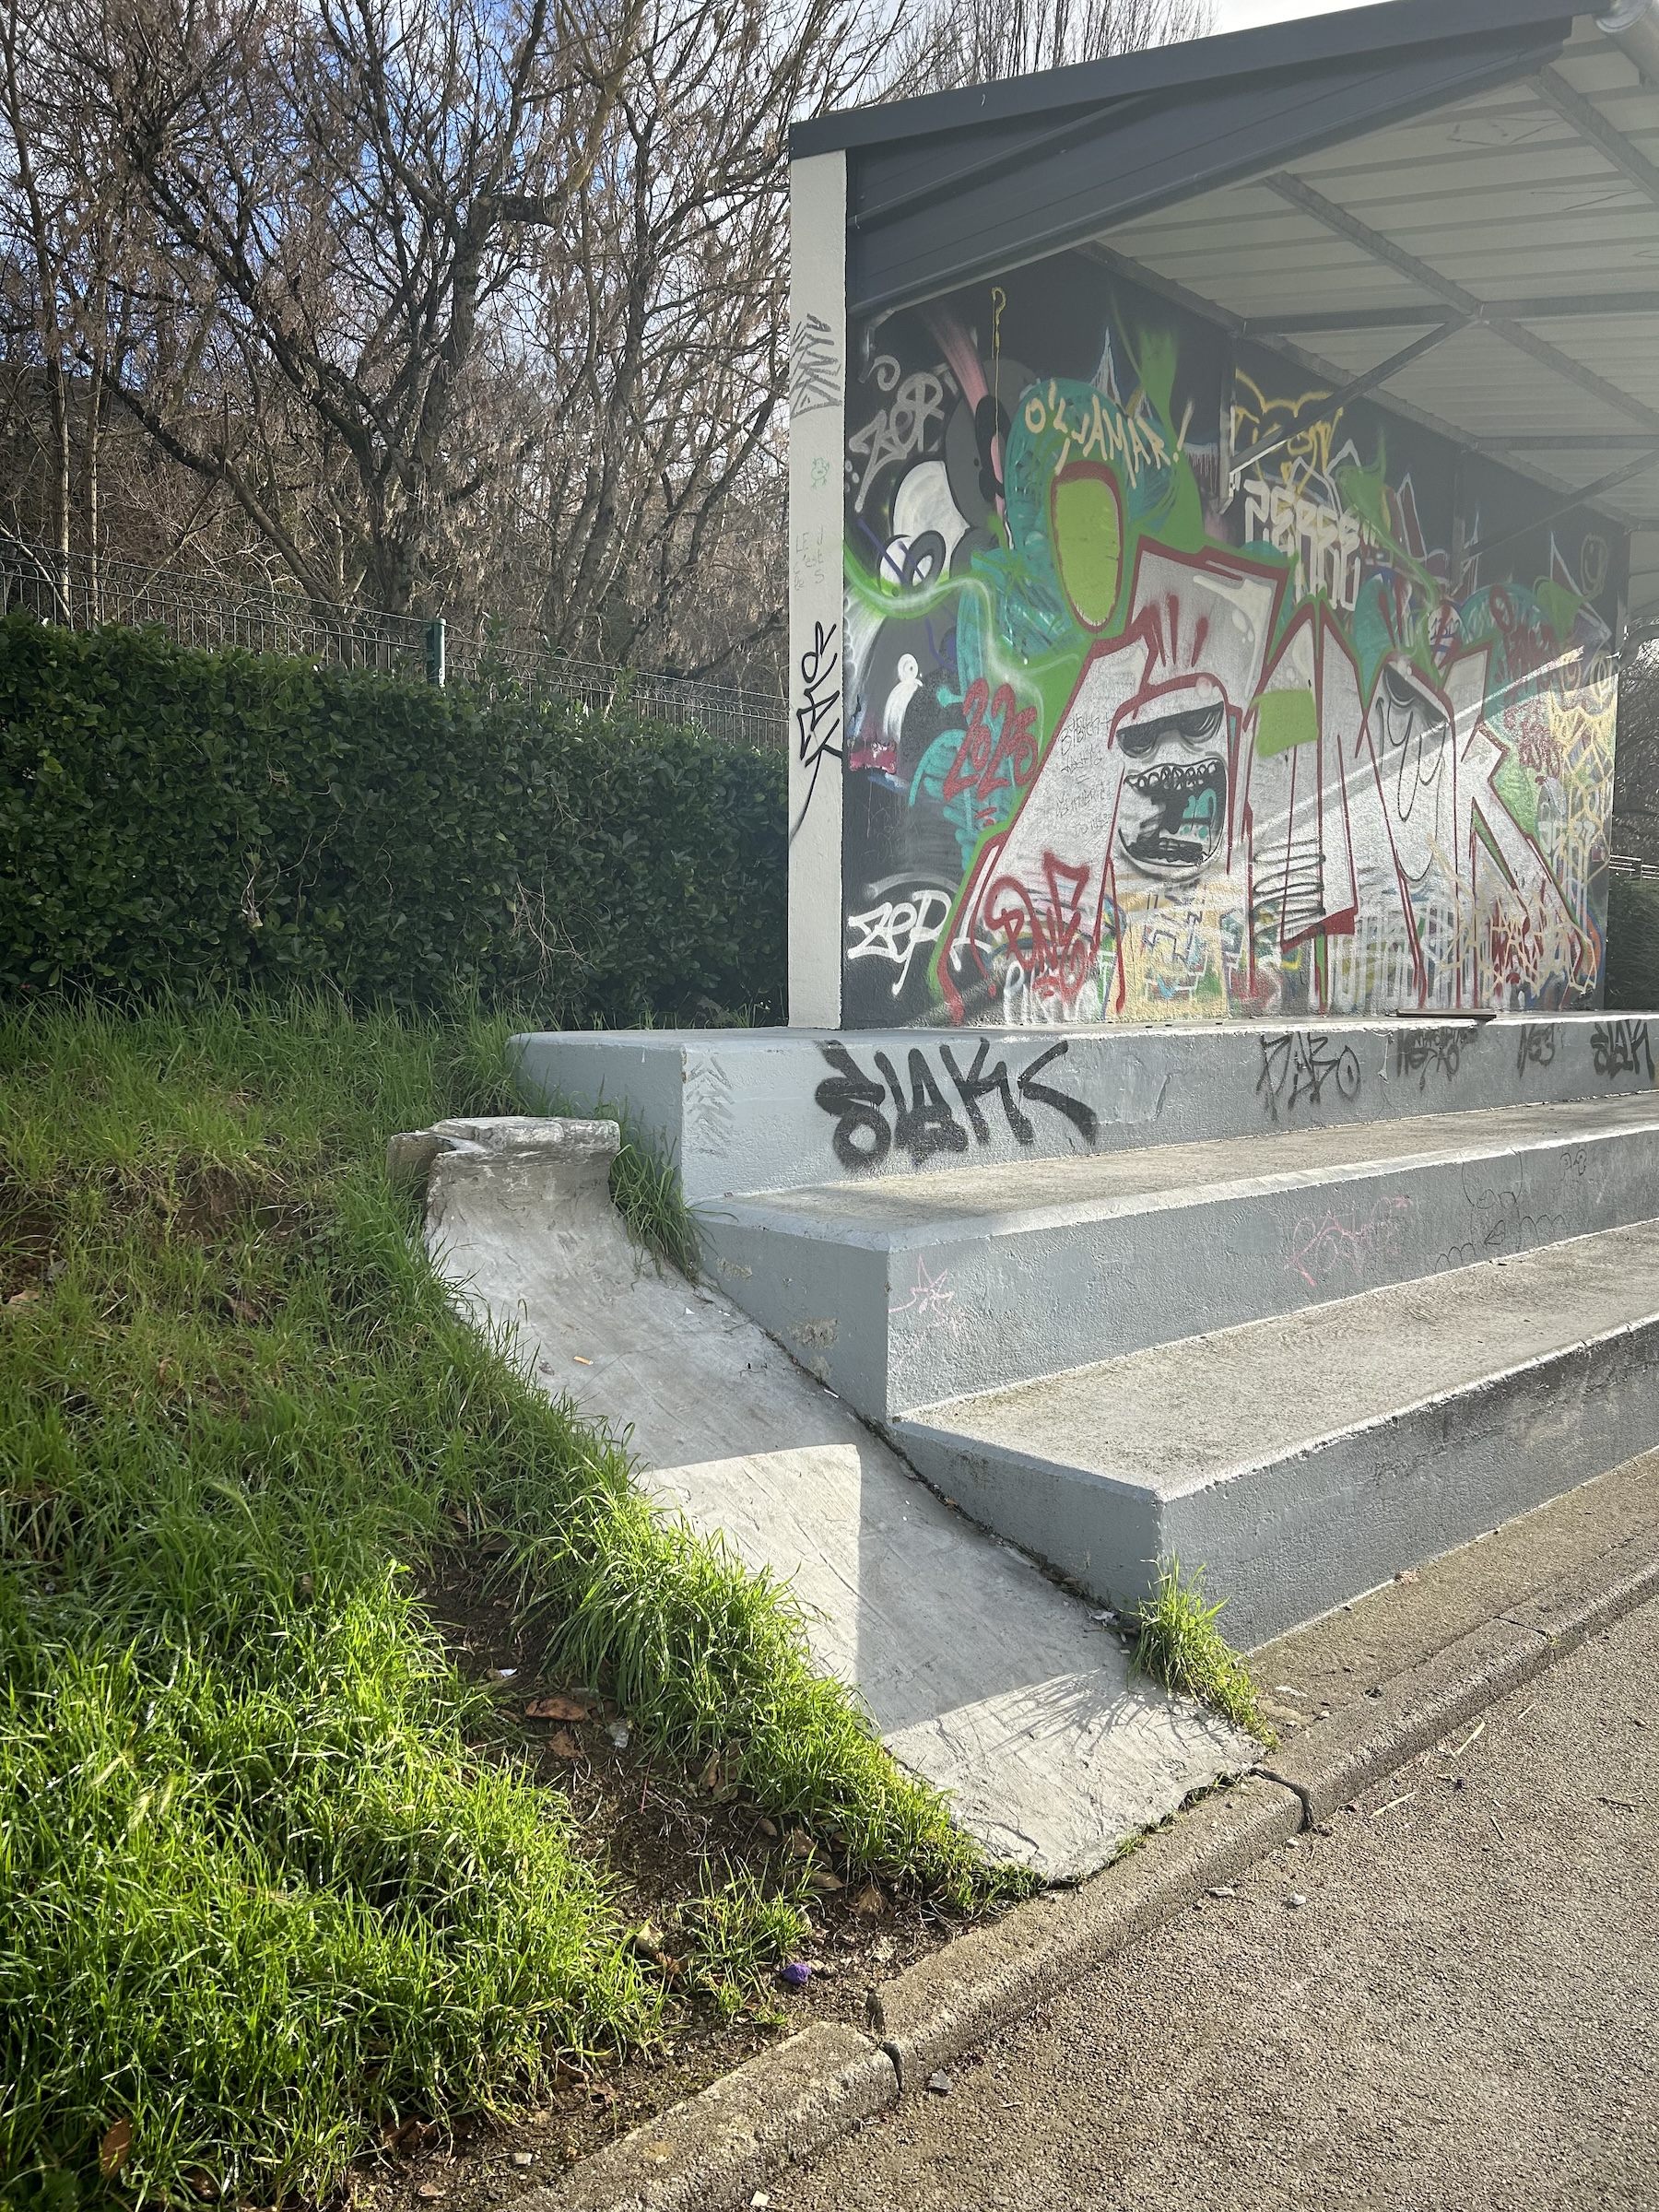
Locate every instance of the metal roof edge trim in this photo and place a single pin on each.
(1516, 63)
(1347, 36)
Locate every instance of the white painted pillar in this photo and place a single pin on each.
(817, 329)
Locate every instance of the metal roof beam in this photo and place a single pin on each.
(1594, 129)
(1567, 442)
(1620, 474)
(1337, 401)
(1140, 272)
(1552, 309)
(1333, 217)
(1072, 132)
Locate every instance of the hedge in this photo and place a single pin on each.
(196, 822)
(1633, 973)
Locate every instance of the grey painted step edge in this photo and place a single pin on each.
(898, 1213)
(764, 1109)
(893, 1330)
(1285, 1538)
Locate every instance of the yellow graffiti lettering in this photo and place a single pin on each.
(1118, 443)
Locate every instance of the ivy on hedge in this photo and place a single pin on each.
(195, 821)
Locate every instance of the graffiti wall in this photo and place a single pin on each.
(1144, 723)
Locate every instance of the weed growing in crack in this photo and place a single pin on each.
(1179, 1644)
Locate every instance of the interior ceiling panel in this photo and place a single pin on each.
(1533, 196)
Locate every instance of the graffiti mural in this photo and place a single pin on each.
(1167, 693)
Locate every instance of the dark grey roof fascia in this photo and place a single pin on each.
(1349, 35)
(924, 239)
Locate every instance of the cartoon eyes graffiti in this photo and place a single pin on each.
(1139, 740)
(1410, 710)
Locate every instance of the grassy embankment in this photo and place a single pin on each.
(266, 1878)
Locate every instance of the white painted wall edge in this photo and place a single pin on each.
(818, 377)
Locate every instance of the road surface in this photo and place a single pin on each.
(1464, 2013)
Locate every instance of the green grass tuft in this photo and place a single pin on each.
(645, 1190)
(267, 1876)
(1179, 1644)
(738, 1935)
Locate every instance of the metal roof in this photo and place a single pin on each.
(1453, 203)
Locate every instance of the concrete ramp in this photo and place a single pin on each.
(982, 1675)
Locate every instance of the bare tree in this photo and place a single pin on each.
(338, 195)
(979, 42)
(473, 306)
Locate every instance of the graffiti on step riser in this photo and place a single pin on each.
(1621, 1048)
(1136, 723)
(1301, 1069)
(940, 1109)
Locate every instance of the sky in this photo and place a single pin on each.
(1245, 15)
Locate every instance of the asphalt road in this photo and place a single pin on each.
(1464, 2012)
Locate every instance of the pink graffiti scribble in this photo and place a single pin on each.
(1320, 1248)
(931, 1301)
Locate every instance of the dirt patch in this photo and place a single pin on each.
(655, 1829)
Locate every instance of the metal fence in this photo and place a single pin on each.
(209, 612)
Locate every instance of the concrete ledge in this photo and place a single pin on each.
(718, 2147)
(1330, 1763)
(946, 2004)
(1568, 1613)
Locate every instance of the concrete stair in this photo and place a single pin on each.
(906, 1289)
(1302, 1307)
(1304, 1460)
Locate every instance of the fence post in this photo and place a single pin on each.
(434, 651)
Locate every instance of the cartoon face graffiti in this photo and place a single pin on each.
(1172, 806)
(1415, 761)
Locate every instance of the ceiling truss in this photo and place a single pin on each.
(1338, 220)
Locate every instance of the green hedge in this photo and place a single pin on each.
(197, 822)
(1632, 973)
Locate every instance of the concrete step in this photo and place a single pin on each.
(903, 1290)
(1305, 1459)
(762, 1110)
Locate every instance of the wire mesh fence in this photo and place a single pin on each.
(206, 612)
(210, 614)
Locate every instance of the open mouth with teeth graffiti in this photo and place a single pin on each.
(1172, 806)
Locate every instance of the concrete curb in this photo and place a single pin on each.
(712, 2152)
(1331, 1761)
(945, 2005)
(717, 2147)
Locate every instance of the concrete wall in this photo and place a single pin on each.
(817, 381)
(768, 1110)
(1133, 732)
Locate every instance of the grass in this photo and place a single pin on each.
(737, 1935)
(1179, 1644)
(266, 1882)
(645, 1190)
